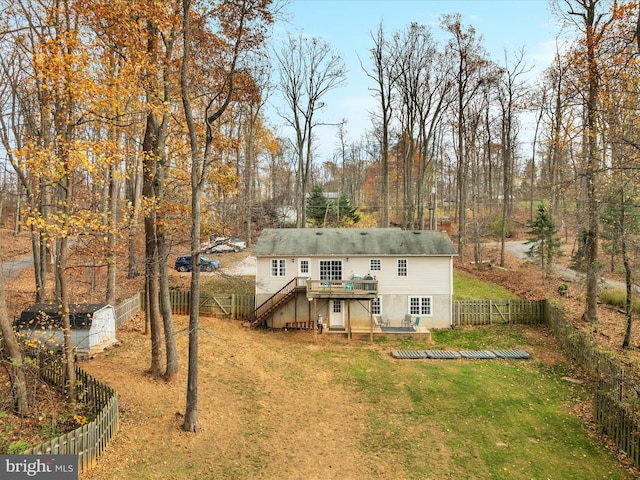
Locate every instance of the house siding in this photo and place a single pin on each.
(426, 276)
(429, 266)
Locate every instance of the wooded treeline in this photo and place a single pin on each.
(139, 126)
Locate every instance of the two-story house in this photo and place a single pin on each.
(348, 277)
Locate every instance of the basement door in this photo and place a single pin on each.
(336, 313)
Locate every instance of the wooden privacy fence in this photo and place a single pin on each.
(490, 312)
(619, 422)
(89, 441)
(127, 309)
(224, 305)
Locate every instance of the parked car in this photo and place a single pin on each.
(219, 248)
(237, 242)
(183, 264)
(223, 245)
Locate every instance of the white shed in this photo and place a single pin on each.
(93, 326)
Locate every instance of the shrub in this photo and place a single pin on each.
(17, 447)
(617, 298)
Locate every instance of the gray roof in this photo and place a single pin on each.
(352, 241)
(44, 315)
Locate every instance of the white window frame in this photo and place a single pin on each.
(301, 262)
(375, 267)
(376, 306)
(328, 269)
(403, 270)
(336, 306)
(420, 306)
(278, 267)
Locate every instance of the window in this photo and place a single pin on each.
(420, 305)
(402, 267)
(278, 267)
(303, 267)
(375, 265)
(330, 269)
(337, 306)
(376, 306)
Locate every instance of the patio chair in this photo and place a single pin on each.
(415, 323)
(384, 320)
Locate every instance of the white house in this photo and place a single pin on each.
(93, 326)
(353, 278)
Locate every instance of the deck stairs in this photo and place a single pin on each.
(277, 300)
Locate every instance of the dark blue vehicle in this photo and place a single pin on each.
(183, 264)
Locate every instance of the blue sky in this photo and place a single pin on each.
(347, 26)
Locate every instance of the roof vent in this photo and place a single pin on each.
(318, 233)
(363, 233)
(417, 232)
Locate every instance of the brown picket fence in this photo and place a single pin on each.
(616, 398)
(88, 441)
(220, 305)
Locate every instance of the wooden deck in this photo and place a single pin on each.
(342, 289)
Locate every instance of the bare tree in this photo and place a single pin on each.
(309, 69)
(385, 75)
(470, 65)
(510, 93)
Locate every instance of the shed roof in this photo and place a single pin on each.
(45, 315)
(353, 241)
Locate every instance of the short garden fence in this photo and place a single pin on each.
(616, 402)
(88, 441)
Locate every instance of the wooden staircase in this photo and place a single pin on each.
(275, 301)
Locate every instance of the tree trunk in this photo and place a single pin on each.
(134, 194)
(628, 311)
(171, 351)
(591, 307)
(151, 247)
(191, 410)
(10, 345)
(112, 235)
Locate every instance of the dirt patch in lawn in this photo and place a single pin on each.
(263, 414)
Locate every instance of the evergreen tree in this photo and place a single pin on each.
(346, 214)
(579, 256)
(544, 243)
(317, 207)
(322, 212)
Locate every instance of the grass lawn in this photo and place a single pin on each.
(469, 287)
(276, 405)
(479, 419)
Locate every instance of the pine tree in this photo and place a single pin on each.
(317, 206)
(544, 243)
(322, 212)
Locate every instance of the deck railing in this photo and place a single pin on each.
(367, 287)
